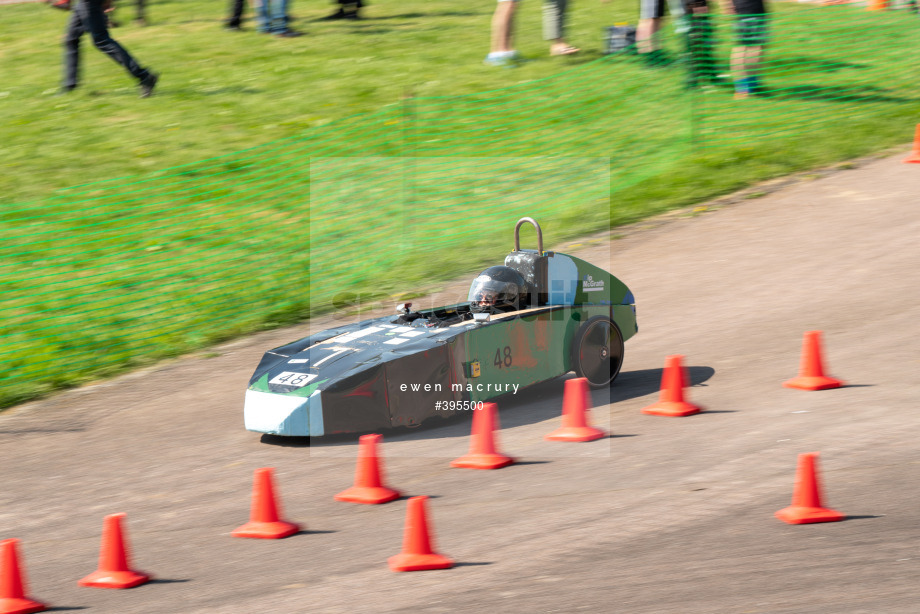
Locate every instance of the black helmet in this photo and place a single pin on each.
(497, 289)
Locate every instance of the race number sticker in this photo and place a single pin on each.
(289, 378)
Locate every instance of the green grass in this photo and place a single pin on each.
(270, 178)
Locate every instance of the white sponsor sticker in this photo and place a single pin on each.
(370, 330)
(589, 285)
(335, 352)
(397, 340)
(414, 333)
(289, 378)
(297, 361)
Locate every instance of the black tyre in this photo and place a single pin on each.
(597, 351)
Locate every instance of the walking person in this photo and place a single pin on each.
(89, 16)
(751, 29)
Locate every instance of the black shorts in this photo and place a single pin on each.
(654, 9)
(751, 30)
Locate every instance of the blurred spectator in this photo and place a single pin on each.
(235, 20)
(751, 30)
(139, 19)
(651, 12)
(700, 42)
(140, 16)
(273, 18)
(554, 27)
(502, 51)
(89, 16)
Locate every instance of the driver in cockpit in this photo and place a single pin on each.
(498, 289)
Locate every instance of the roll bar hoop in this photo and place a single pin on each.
(517, 234)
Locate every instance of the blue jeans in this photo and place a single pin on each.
(273, 17)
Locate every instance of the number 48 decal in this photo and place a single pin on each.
(502, 357)
(288, 378)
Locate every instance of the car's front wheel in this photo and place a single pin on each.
(597, 351)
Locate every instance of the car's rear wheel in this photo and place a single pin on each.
(597, 351)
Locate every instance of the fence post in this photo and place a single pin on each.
(693, 127)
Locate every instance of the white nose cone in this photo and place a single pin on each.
(276, 414)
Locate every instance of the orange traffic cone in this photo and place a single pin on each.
(13, 598)
(114, 571)
(264, 519)
(806, 498)
(811, 370)
(671, 401)
(417, 552)
(576, 400)
(914, 157)
(483, 453)
(368, 486)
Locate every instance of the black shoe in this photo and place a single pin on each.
(148, 84)
(233, 26)
(288, 34)
(65, 89)
(339, 14)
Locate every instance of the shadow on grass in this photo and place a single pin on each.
(812, 64)
(230, 89)
(863, 94)
(431, 15)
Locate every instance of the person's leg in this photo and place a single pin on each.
(747, 54)
(738, 76)
(264, 16)
(272, 8)
(502, 24)
(752, 58)
(745, 70)
(141, 17)
(235, 20)
(650, 14)
(72, 37)
(96, 24)
(554, 27)
(502, 48)
(341, 13)
(699, 43)
(281, 21)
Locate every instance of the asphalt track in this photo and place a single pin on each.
(668, 515)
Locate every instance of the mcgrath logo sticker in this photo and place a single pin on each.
(589, 285)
